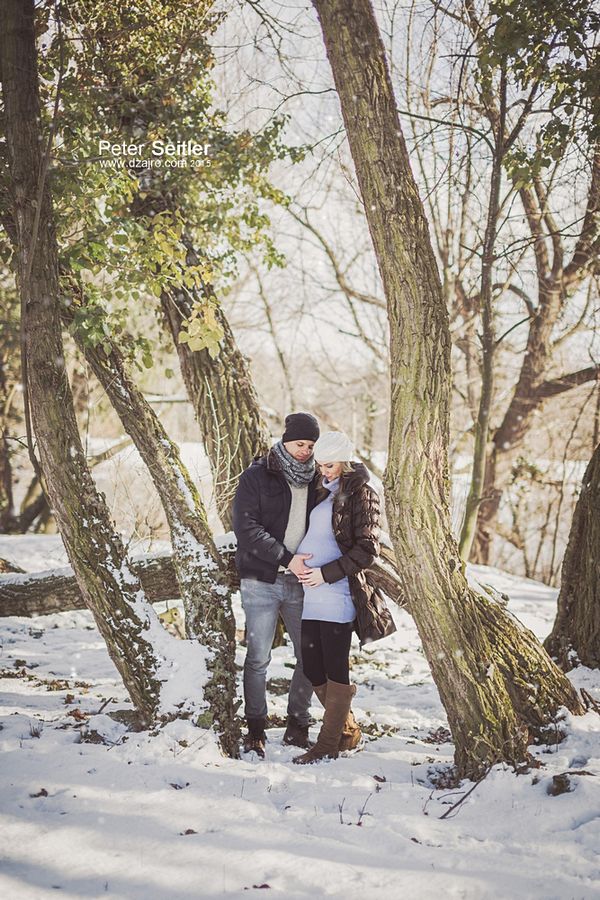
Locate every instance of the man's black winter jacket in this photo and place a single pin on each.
(261, 510)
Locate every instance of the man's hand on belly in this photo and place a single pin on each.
(297, 566)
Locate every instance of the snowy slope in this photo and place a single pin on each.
(81, 819)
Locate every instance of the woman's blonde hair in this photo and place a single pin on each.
(347, 467)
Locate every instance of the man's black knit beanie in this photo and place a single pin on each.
(300, 427)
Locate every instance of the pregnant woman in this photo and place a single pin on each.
(343, 540)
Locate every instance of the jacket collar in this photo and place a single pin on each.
(352, 481)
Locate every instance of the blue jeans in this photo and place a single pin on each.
(262, 605)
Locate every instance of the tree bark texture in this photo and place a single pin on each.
(575, 637)
(200, 575)
(222, 393)
(468, 665)
(142, 651)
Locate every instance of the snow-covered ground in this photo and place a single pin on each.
(166, 816)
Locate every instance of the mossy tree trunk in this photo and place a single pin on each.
(222, 393)
(156, 672)
(475, 649)
(200, 573)
(220, 389)
(575, 637)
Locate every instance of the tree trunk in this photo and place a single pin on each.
(206, 597)
(222, 393)
(575, 637)
(468, 665)
(156, 669)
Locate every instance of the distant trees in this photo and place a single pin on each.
(15, 518)
(502, 94)
(534, 76)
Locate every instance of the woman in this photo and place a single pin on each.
(343, 540)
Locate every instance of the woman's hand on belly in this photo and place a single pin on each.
(314, 579)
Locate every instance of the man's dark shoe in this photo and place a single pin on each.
(256, 743)
(256, 738)
(296, 735)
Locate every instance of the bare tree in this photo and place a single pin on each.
(464, 141)
(559, 275)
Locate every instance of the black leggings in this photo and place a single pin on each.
(325, 651)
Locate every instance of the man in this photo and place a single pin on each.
(272, 504)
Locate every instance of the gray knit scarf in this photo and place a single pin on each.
(297, 473)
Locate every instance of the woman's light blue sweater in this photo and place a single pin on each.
(327, 602)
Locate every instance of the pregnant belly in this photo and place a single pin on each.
(321, 553)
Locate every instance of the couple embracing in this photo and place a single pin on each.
(307, 524)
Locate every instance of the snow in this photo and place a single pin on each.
(165, 815)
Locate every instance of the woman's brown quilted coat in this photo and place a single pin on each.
(355, 522)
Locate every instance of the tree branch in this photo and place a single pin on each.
(556, 386)
(534, 219)
(340, 276)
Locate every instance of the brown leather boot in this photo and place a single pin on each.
(351, 733)
(337, 707)
(296, 735)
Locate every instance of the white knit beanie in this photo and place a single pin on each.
(333, 446)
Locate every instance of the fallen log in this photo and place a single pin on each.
(56, 590)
